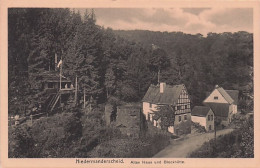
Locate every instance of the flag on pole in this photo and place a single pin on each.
(60, 62)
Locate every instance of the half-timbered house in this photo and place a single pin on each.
(175, 96)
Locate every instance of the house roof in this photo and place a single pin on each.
(200, 111)
(234, 95)
(169, 96)
(219, 109)
(53, 76)
(231, 96)
(226, 96)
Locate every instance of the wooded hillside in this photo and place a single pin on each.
(120, 64)
(201, 62)
(112, 66)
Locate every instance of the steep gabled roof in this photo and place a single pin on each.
(231, 96)
(234, 95)
(169, 96)
(226, 96)
(219, 109)
(200, 111)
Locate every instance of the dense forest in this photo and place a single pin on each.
(201, 62)
(112, 66)
(121, 64)
(106, 65)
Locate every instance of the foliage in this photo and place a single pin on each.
(167, 115)
(20, 142)
(237, 144)
(201, 62)
(48, 137)
(125, 147)
(105, 61)
(198, 127)
(113, 68)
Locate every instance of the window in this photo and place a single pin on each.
(179, 118)
(208, 117)
(50, 85)
(215, 97)
(178, 107)
(211, 117)
(185, 117)
(186, 106)
(210, 127)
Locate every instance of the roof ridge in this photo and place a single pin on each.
(231, 90)
(223, 92)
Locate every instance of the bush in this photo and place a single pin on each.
(53, 136)
(123, 146)
(237, 144)
(20, 142)
(198, 127)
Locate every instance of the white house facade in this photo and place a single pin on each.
(204, 116)
(176, 97)
(223, 103)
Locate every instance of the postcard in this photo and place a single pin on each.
(129, 83)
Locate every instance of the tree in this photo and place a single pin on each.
(167, 115)
(158, 60)
(109, 81)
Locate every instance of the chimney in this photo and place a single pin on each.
(162, 87)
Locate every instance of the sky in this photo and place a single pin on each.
(187, 20)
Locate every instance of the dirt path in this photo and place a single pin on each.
(183, 147)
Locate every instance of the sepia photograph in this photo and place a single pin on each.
(121, 82)
(130, 85)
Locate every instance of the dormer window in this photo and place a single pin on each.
(215, 97)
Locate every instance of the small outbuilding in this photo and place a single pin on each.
(204, 116)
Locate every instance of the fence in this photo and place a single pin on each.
(13, 121)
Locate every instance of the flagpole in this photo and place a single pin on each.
(60, 75)
(60, 72)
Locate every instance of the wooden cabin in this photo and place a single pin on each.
(51, 80)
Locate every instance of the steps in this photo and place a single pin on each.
(53, 101)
